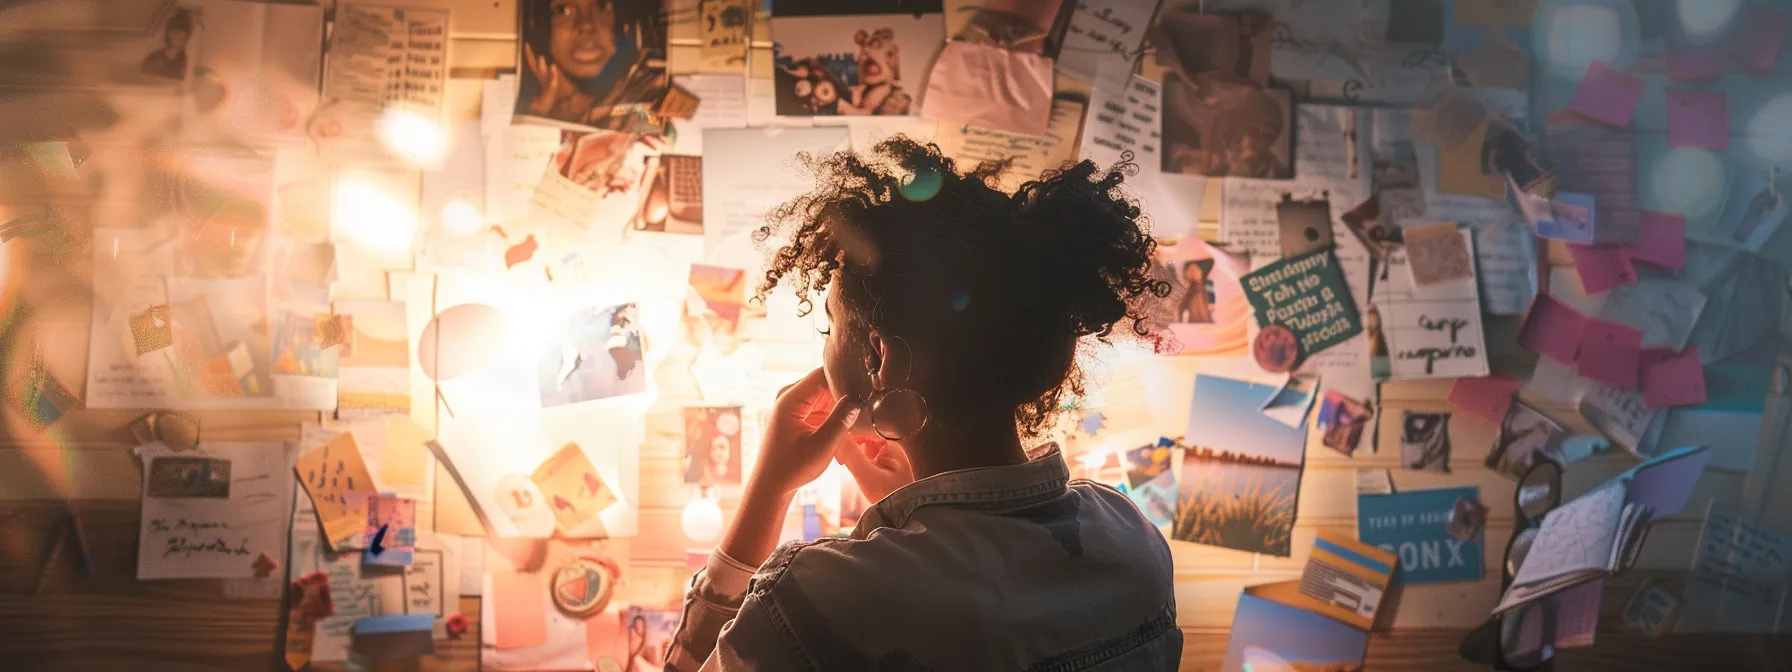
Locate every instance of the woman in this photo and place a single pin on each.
(955, 321)
(170, 60)
(1195, 307)
(588, 60)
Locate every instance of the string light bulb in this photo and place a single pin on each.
(702, 518)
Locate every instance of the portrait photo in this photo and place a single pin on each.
(862, 58)
(712, 445)
(592, 63)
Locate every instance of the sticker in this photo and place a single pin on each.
(1275, 349)
(583, 587)
(150, 330)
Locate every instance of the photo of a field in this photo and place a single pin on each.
(1240, 482)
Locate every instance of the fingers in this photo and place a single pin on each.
(833, 429)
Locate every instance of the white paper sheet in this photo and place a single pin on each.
(1030, 155)
(722, 104)
(1331, 160)
(202, 537)
(1665, 309)
(1123, 116)
(1104, 33)
(516, 158)
(1433, 331)
(381, 59)
(1738, 578)
(747, 172)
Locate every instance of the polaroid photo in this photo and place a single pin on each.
(1425, 441)
(862, 58)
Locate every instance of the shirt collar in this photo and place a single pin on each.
(982, 488)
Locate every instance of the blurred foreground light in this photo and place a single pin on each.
(1704, 19)
(413, 137)
(460, 217)
(369, 216)
(702, 519)
(1770, 130)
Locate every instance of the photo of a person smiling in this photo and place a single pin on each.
(592, 63)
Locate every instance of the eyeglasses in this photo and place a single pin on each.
(177, 431)
(1521, 640)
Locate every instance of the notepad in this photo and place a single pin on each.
(1698, 119)
(1552, 329)
(1607, 95)
(1602, 267)
(1610, 353)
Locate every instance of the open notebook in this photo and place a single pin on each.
(1601, 531)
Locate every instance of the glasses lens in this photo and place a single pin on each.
(179, 432)
(1540, 490)
(1520, 549)
(1522, 643)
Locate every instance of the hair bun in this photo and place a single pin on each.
(1092, 246)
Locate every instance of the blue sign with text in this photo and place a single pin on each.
(1415, 526)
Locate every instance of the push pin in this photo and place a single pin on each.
(456, 626)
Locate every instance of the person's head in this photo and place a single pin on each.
(939, 283)
(720, 455)
(177, 31)
(581, 35)
(1194, 273)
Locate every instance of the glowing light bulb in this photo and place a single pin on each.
(460, 217)
(1770, 130)
(413, 137)
(702, 519)
(369, 216)
(1706, 18)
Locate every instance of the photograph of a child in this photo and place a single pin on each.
(828, 63)
(1206, 310)
(598, 354)
(592, 63)
(169, 60)
(1220, 118)
(712, 445)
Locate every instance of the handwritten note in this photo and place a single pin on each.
(1102, 33)
(1738, 579)
(203, 538)
(1665, 309)
(724, 106)
(1618, 413)
(423, 584)
(381, 58)
(330, 472)
(747, 172)
(354, 593)
(1433, 331)
(1330, 163)
(724, 35)
(516, 159)
(1123, 117)
(1031, 154)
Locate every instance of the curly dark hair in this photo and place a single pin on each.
(993, 291)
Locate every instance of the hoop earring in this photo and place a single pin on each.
(893, 411)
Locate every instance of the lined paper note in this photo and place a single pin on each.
(1433, 331)
(1738, 578)
(207, 537)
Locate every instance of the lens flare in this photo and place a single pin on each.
(1770, 130)
(369, 216)
(416, 138)
(460, 217)
(922, 186)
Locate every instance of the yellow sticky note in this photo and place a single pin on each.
(573, 489)
(405, 464)
(329, 473)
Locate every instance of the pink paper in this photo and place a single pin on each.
(1552, 329)
(1602, 267)
(1487, 398)
(1673, 379)
(1607, 95)
(1660, 239)
(988, 87)
(1691, 64)
(1758, 42)
(1611, 353)
(519, 607)
(1698, 119)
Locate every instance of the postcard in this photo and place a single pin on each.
(599, 353)
(574, 489)
(831, 59)
(1206, 312)
(375, 377)
(1149, 461)
(210, 537)
(609, 77)
(390, 535)
(331, 472)
(1345, 579)
(1307, 297)
(1425, 332)
(1414, 526)
(1527, 437)
(1342, 421)
(1270, 635)
(712, 445)
(1425, 441)
(1240, 478)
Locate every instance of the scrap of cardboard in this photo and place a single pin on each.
(1607, 95)
(330, 473)
(1695, 64)
(573, 489)
(1660, 239)
(1758, 41)
(1602, 267)
(1611, 353)
(1673, 379)
(1496, 64)
(1459, 167)
(1698, 119)
(1552, 329)
(1486, 397)
(1344, 579)
(150, 330)
(518, 610)
(1438, 253)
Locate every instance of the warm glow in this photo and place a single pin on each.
(460, 217)
(702, 520)
(413, 137)
(369, 216)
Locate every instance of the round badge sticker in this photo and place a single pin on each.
(1275, 349)
(582, 587)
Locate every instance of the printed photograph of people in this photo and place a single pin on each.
(592, 63)
(1220, 118)
(873, 61)
(712, 445)
(169, 60)
(599, 160)
(1206, 311)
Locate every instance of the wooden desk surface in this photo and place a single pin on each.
(111, 621)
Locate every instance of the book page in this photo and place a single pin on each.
(1575, 538)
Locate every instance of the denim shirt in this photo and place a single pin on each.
(996, 568)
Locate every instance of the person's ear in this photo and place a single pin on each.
(891, 361)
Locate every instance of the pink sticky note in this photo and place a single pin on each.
(1758, 41)
(1690, 64)
(1660, 239)
(1611, 353)
(1698, 119)
(1607, 95)
(519, 609)
(1602, 267)
(1552, 329)
(1673, 379)
(1487, 398)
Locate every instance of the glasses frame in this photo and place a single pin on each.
(1484, 644)
(148, 428)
